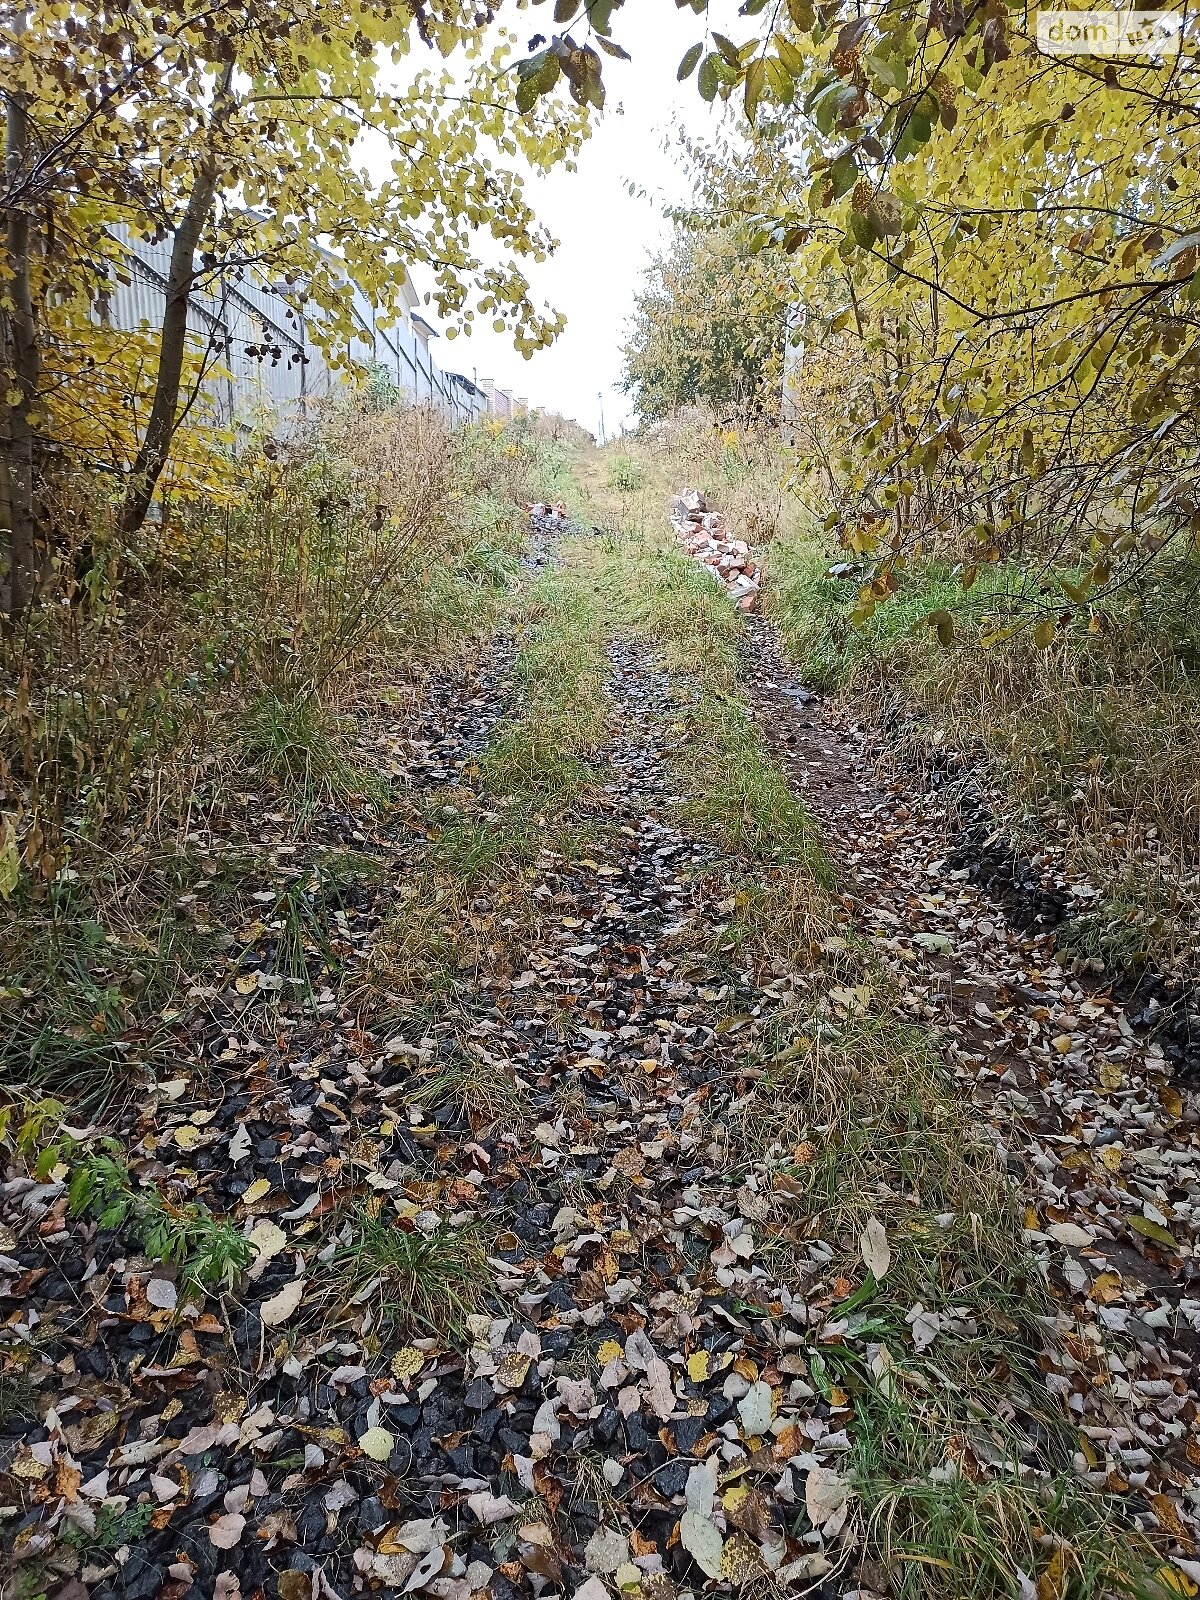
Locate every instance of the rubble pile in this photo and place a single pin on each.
(705, 535)
(550, 519)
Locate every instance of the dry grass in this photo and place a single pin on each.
(1094, 739)
(861, 1120)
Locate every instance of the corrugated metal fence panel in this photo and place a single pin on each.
(257, 346)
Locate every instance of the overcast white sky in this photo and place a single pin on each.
(606, 234)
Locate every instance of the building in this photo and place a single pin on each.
(261, 358)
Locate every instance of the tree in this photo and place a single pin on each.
(709, 326)
(241, 133)
(1002, 243)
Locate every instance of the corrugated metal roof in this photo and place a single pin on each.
(256, 344)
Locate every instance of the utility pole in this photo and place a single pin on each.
(600, 397)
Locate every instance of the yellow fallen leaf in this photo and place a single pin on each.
(1051, 1585)
(1111, 1076)
(247, 983)
(1062, 1043)
(745, 1368)
(1173, 1581)
(732, 1498)
(1106, 1288)
(512, 1369)
(377, 1443)
(1172, 1104)
(267, 1239)
(258, 1190)
(740, 1559)
(608, 1351)
(1169, 1520)
(1111, 1157)
(697, 1366)
(407, 1363)
(187, 1137)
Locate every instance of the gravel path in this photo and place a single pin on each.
(633, 1411)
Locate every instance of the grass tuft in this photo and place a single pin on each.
(423, 1282)
(480, 1093)
(288, 738)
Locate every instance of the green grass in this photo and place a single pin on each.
(288, 738)
(206, 1250)
(812, 609)
(981, 1539)
(474, 849)
(423, 950)
(542, 756)
(410, 1281)
(741, 794)
(625, 474)
(73, 1016)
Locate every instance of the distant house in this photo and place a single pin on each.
(500, 402)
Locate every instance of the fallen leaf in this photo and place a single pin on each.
(490, 1507)
(227, 1530)
(282, 1305)
(875, 1249)
(824, 1494)
(267, 1240)
(1069, 1233)
(755, 1409)
(1152, 1230)
(377, 1443)
(703, 1542)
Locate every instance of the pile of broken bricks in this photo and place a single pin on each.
(705, 535)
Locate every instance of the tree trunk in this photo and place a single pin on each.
(160, 430)
(21, 376)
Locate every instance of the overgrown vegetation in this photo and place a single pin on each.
(1093, 736)
(152, 716)
(962, 1463)
(876, 1154)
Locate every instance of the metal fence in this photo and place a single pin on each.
(260, 357)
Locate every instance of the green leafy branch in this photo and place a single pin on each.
(205, 1250)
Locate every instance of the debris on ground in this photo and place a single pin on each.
(705, 535)
(551, 521)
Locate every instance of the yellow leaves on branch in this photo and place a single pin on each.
(332, 136)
